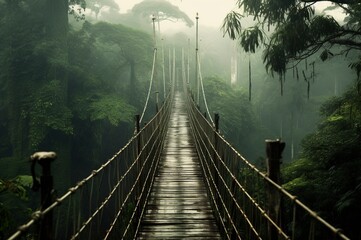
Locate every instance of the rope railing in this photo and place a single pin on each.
(240, 193)
(110, 201)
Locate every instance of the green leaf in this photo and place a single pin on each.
(251, 39)
(111, 108)
(232, 25)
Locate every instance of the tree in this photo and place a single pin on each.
(297, 31)
(97, 5)
(162, 9)
(328, 176)
(108, 78)
(238, 121)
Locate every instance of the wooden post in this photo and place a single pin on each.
(274, 150)
(216, 122)
(46, 189)
(137, 129)
(156, 101)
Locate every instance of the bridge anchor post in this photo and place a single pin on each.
(46, 188)
(274, 150)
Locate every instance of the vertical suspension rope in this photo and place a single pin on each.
(184, 78)
(155, 71)
(150, 85)
(203, 93)
(189, 47)
(173, 77)
(152, 74)
(197, 60)
(163, 70)
(170, 66)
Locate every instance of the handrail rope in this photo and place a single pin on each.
(229, 172)
(208, 183)
(215, 202)
(262, 211)
(286, 193)
(37, 214)
(139, 198)
(159, 136)
(204, 95)
(115, 187)
(129, 193)
(278, 187)
(224, 183)
(163, 134)
(150, 84)
(148, 192)
(229, 191)
(220, 196)
(213, 198)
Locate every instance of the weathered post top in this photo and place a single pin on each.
(46, 186)
(44, 159)
(40, 157)
(274, 148)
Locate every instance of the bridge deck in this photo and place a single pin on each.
(178, 206)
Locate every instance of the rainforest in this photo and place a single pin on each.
(74, 74)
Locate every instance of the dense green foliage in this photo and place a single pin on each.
(75, 90)
(298, 31)
(238, 121)
(328, 176)
(14, 203)
(71, 91)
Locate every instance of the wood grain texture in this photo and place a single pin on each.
(178, 206)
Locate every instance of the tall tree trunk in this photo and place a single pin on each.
(56, 28)
(132, 93)
(15, 93)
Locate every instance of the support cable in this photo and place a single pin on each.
(203, 93)
(197, 60)
(150, 85)
(152, 74)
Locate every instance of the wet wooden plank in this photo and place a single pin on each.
(178, 206)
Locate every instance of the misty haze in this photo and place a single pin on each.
(180, 119)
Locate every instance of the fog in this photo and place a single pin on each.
(72, 83)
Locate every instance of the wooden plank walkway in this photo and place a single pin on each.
(178, 206)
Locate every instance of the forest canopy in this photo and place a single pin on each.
(297, 31)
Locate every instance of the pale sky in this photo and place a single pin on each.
(211, 12)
